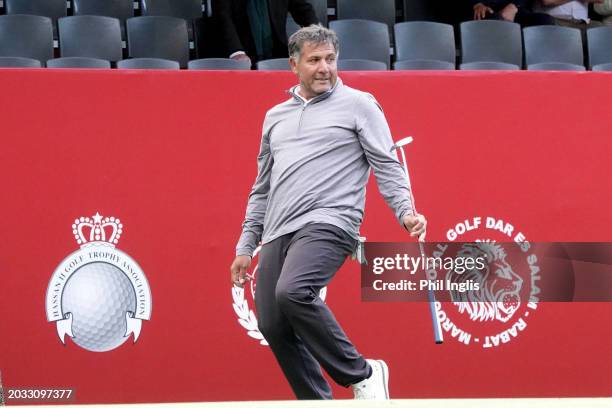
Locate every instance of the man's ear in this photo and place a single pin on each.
(293, 64)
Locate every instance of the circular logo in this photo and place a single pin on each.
(98, 295)
(499, 311)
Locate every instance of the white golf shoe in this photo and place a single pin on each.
(377, 386)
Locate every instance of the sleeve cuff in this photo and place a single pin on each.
(235, 54)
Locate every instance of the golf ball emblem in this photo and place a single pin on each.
(98, 295)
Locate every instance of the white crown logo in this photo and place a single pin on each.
(97, 229)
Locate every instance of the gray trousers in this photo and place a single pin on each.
(301, 330)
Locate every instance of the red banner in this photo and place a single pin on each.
(170, 156)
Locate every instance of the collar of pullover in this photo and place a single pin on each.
(318, 98)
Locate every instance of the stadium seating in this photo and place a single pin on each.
(147, 63)
(555, 66)
(158, 37)
(291, 26)
(603, 67)
(360, 65)
(491, 40)
(53, 9)
(90, 36)
(489, 66)
(19, 62)
(553, 44)
(427, 65)
(189, 10)
(219, 64)
(78, 62)
(26, 36)
(422, 40)
(363, 39)
(379, 10)
(119, 9)
(274, 64)
(600, 46)
(88, 29)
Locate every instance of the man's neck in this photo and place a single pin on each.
(300, 92)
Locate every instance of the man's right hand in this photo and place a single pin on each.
(480, 11)
(239, 269)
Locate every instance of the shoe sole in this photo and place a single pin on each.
(385, 373)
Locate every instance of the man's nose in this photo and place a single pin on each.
(323, 66)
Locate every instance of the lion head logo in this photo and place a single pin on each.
(499, 295)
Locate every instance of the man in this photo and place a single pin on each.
(570, 13)
(254, 30)
(306, 207)
(518, 11)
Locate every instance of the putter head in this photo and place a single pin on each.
(402, 142)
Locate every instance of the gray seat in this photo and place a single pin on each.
(78, 62)
(219, 64)
(603, 67)
(147, 63)
(424, 40)
(375, 10)
(185, 9)
(291, 26)
(424, 65)
(600, 45)
(555, 66)
(553, 44)
(90, 36)
(362, 39)
(26, 36)
(360, 65)
(54, 9)
(491, 40)
(489, 66)
(189, 10)
(158, 37)
(119, 9)
(274, 64)
(19, 62)
(419, 10)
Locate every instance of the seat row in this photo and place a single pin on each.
(379, 10)
(30, 36)
(430, 45)
(121, 9)
(418, 45)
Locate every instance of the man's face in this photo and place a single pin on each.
(316, 69)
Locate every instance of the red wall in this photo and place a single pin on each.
(173, 155)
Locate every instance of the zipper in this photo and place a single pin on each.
(299, 129)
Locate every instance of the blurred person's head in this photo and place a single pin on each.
(313, 53)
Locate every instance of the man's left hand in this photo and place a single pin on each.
(416, 225)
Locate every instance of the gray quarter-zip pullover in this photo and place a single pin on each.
(314, 163)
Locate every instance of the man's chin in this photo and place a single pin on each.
(321, 89)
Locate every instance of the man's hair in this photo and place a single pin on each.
(314, 34)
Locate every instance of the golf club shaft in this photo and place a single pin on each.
(431, 297)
